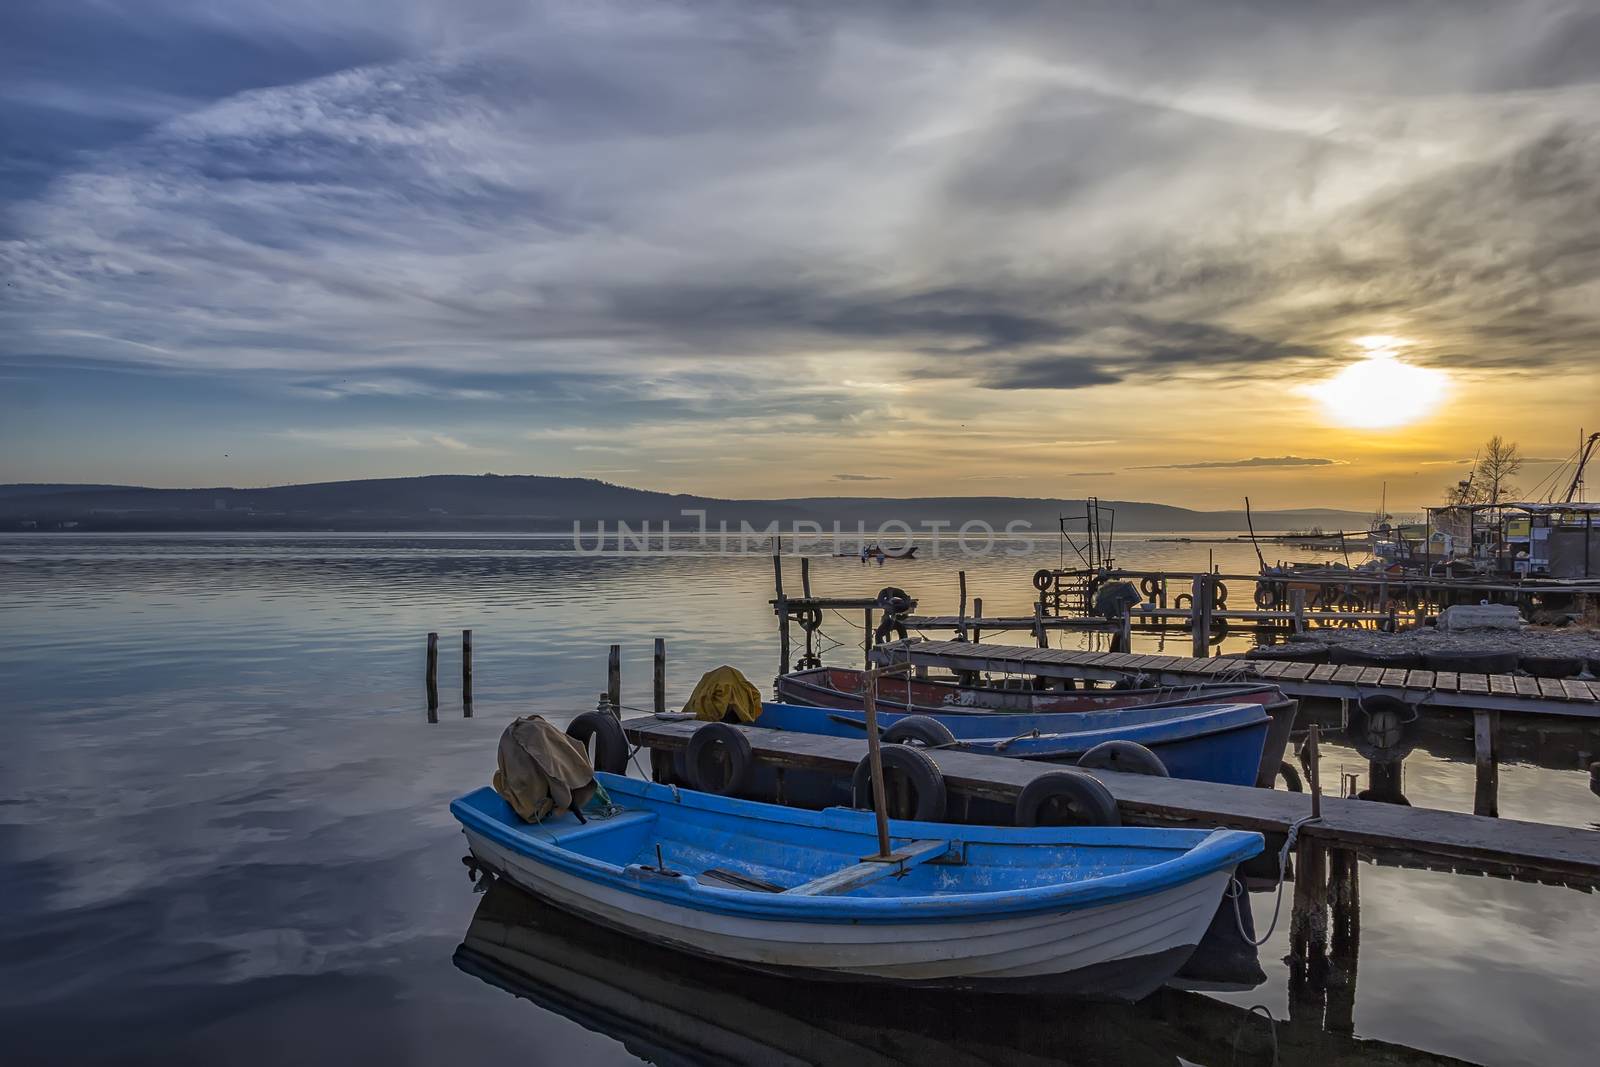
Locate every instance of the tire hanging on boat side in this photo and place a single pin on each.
(1066, 798)
(610, 744)
(917, 769)
(718, 759)
(922, 730)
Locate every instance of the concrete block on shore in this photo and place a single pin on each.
(1480, 617)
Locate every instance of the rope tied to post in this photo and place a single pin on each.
(1236, 890)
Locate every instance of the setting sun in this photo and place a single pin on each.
(1380, 391)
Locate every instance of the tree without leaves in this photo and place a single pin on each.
(1490, 481)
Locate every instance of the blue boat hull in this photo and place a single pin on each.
(1105, 911)
(1209, 744)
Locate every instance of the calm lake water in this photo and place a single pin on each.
(224, 835)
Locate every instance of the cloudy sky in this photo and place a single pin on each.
(1171, 251)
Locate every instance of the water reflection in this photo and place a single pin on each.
(669, 1009)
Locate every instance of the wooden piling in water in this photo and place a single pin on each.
(1297, 604)
(977, 613)
(782, 608)
(1123, 639)
(1199, 616)
(961, 612)
(1344, 949)
(614, 680)
(1486, 756)
(433, 676)
(661, 675)
(466, 674)
(1039, 633)
(1308, 927)
(866, 636)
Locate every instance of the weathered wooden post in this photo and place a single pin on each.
(661, 676)
(433, 677)
(782, 608)
(466, 674)
(1038, 624)
(866, 637)
(961, 612)
(1124, 635)
(977, 613)
(1486, 754)
(1308, 927)
(880, 806)
(1297, 604)
(1345, 947)
(1199, 624)
(614, 680)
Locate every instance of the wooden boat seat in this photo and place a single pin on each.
(871, 869)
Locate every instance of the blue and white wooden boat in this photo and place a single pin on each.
(1102, 911)
(1207, 743)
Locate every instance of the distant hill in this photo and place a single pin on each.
(535, 503)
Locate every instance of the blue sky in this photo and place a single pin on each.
(772, 249)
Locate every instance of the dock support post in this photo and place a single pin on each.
(1123, 641)
(1200, 615)
(466, 674)
(782, 609)
(614, 680)
(1308, 928)
(661, 675)
(1038, 624)
(1345, 948)
(1486, 754)
(866, 636)
(961, 612)
(432, 677)
(977, 613)
(1297, 604)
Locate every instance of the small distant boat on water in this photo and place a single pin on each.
(877, 551)
(1207, 742)
(1103, 912)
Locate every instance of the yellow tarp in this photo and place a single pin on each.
(723, 690)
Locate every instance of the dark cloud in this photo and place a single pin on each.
(1254, 461)
(1049, 372)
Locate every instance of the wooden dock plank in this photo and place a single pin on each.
(1371, 676)
(1298, 671)
(1447, 681)
(1348, 675)
(1323, 673)
(1408, 836)
(1576, 690)
(1473, 683)
(1527, 687)
(1550, 689)
(1395, 677)
(1419, 680)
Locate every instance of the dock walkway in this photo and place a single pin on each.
(1435, 689)
(1403, 836)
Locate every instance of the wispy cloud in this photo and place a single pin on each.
(1254, 461)
(861, 478)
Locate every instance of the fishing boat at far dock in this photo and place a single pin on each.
(1101, 912)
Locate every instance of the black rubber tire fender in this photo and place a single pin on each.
(1266, 596)
(1471, 662)
(1291, 777)
(610, 752)
(1552, 666)
(1042, 579)
(1219, 594)
(1129, 757)
(810, 619)
(921, 774)
(1066, 798)
(1150, 587)
(713, 744)
(922, 730)
(1382, 728)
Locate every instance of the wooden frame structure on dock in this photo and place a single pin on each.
(1435, 689)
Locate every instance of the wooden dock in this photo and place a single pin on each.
(1402, 836)
(1433, 689)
